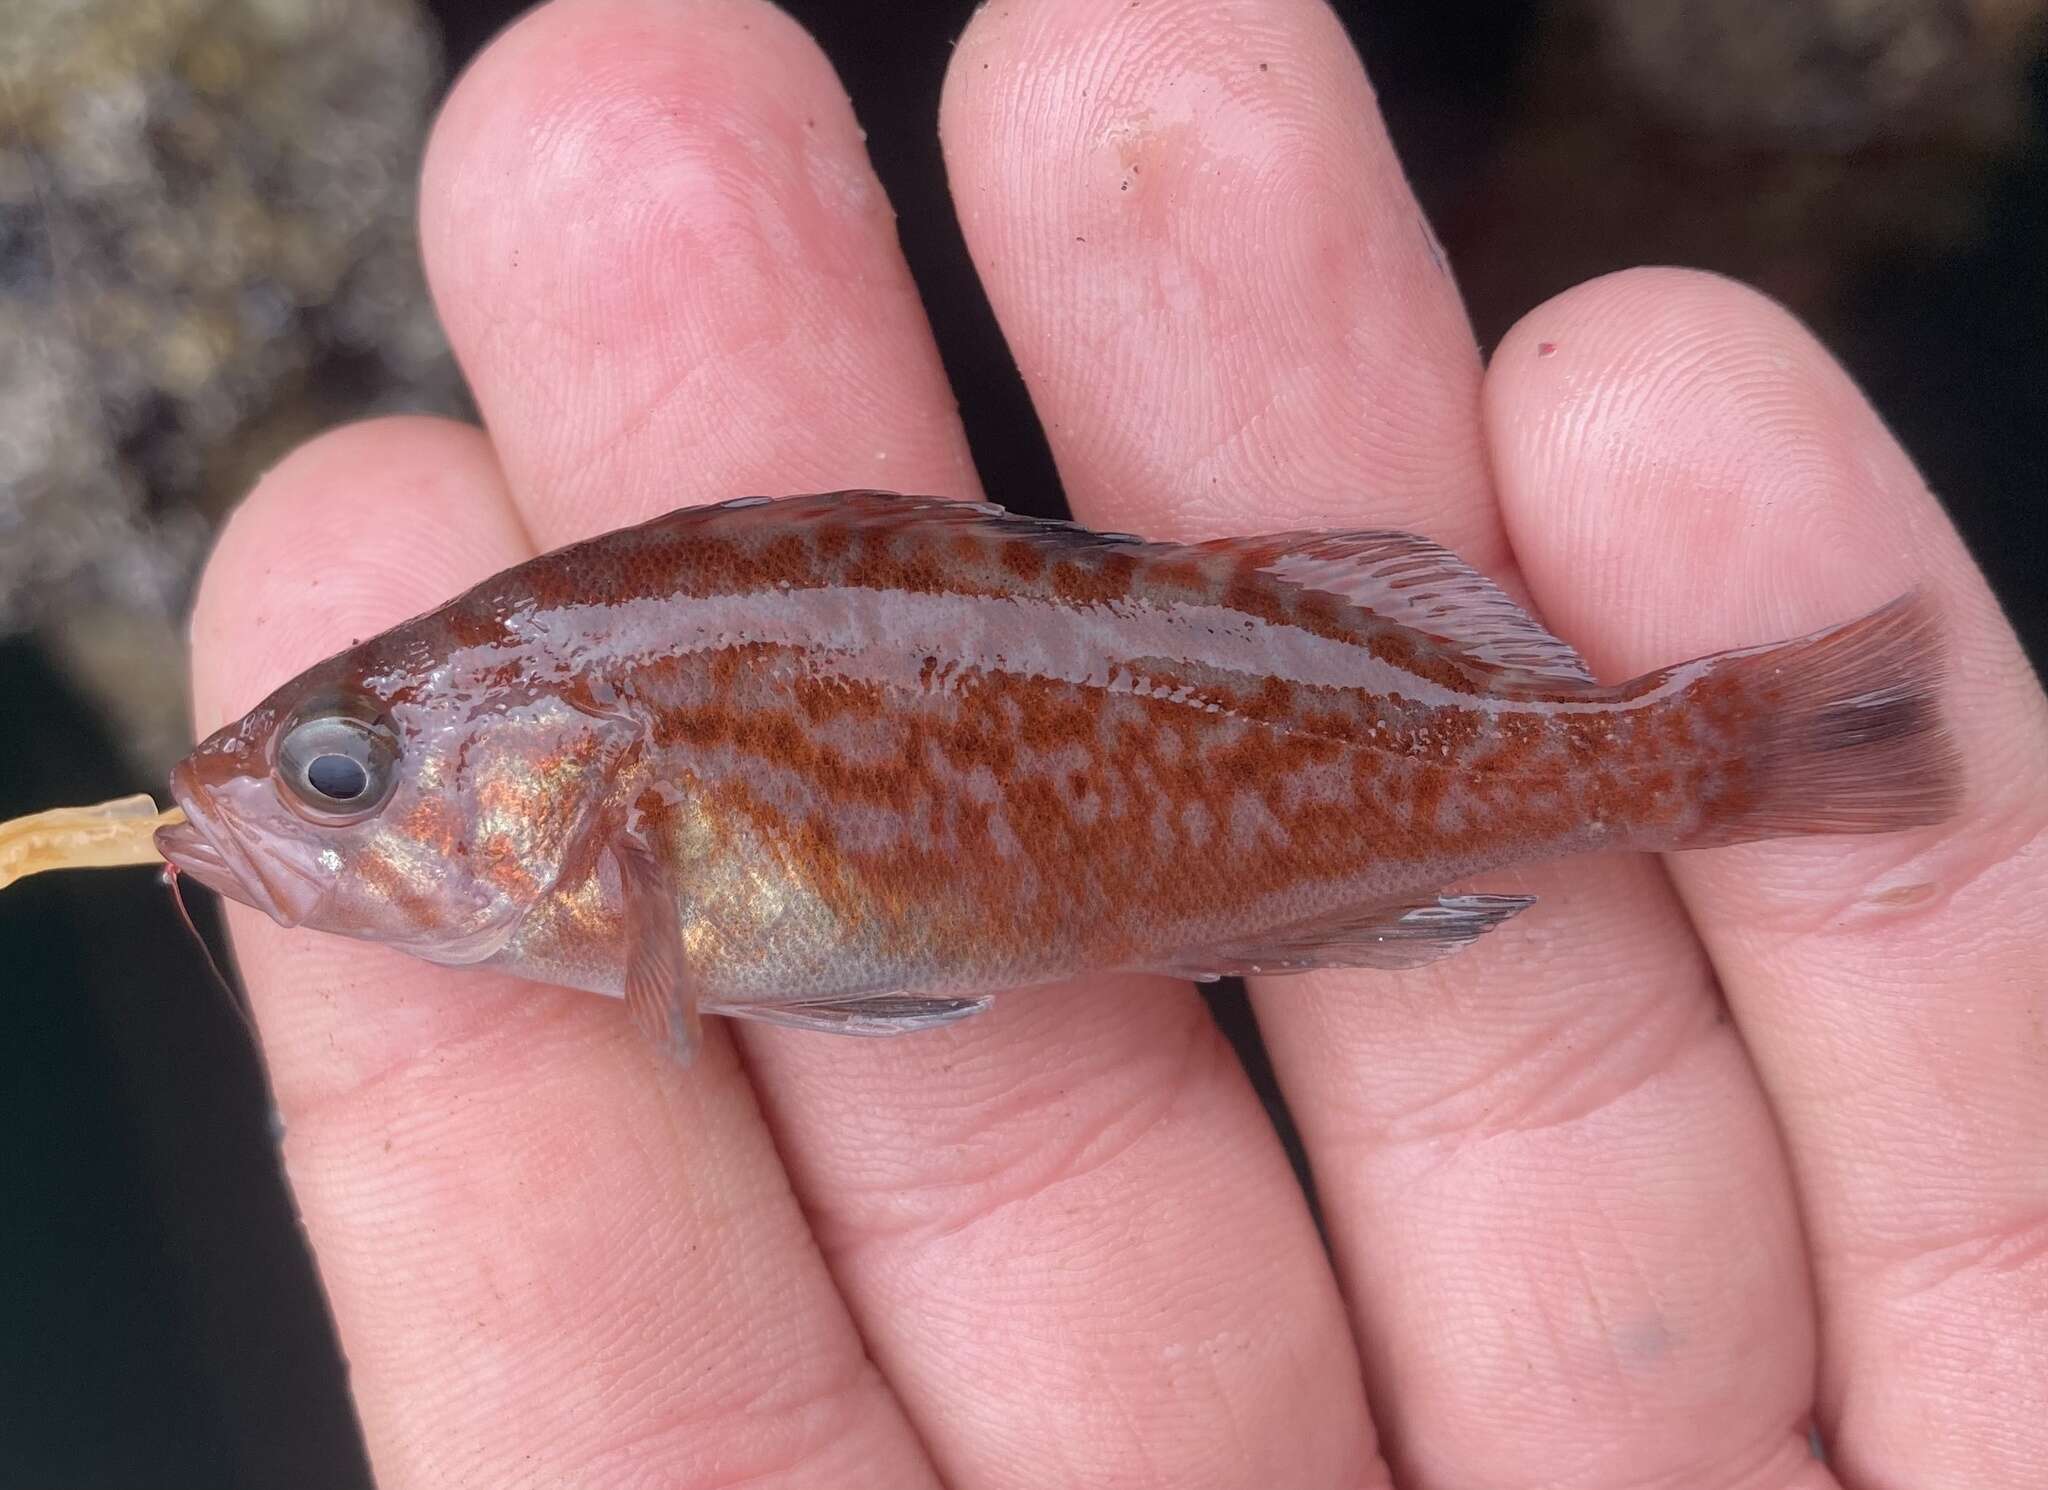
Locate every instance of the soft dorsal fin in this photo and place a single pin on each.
(1406, 934)
(1413, 582)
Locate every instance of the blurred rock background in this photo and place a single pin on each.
(206, 254)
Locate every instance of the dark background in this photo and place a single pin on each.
(160, 1322)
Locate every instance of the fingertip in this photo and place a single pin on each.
(599, 151)
(593, 98)
(670, 272)
(1678, 448)
(1609, 356)
(1210, 269)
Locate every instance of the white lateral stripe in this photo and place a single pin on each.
(885, 635)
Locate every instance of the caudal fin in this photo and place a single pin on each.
(1847, 734)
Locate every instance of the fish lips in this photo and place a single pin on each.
(207, 847)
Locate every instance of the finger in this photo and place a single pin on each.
(1685, 470)
(670, 273)
(1552, 1187)
(541, 1248)
(1193, 207)
(1064, 1224)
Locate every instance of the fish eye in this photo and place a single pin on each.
(338, 765)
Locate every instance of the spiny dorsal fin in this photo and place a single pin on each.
(1413, 582)
(1407, 934)
(864, 508)
(1398, 576)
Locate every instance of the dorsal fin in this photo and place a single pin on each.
(863, 508)
(1413, 582)
(1397, 576)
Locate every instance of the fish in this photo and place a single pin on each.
(859, 761)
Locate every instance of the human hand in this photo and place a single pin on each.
(1594, 1226)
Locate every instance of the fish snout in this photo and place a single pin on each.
(207, 847)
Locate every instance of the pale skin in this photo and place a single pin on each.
(1693, 1153)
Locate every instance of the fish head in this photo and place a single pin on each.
(400, 799)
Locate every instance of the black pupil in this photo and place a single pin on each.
(339, 778)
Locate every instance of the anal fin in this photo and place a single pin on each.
(1403, 935)
(877, 1014)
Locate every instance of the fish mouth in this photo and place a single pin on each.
(207, 847)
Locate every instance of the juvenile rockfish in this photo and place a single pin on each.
(856, 762)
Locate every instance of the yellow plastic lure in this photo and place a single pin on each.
(111, 834)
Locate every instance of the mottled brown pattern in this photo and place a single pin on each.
(1059, 757)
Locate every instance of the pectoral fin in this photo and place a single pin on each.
(659, 995)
